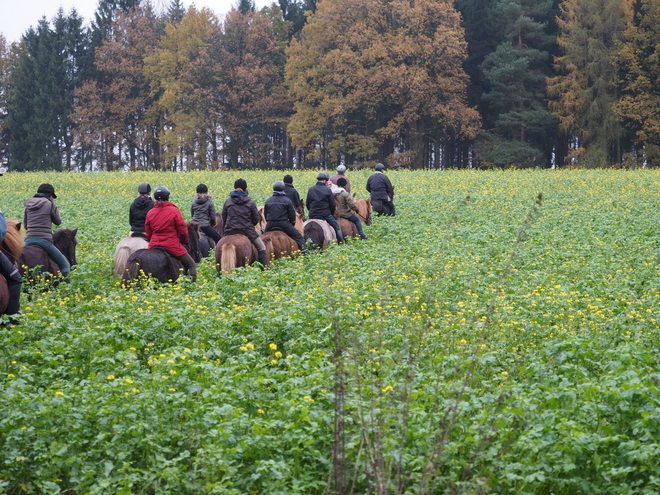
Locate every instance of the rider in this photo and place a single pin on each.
(166, 229)
(341, 170)
(11, 274)
(293, 195)
(321, 203)
(139, 209)
(202, 210)
(382, 191)
(40, 213)
(240, 215)
(280, 214)
(346, 206)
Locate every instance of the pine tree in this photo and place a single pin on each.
(5, 65)
(245, 6)
(520, 126)
(638, 61)
(105, 15)
(585, 89)
(175, 12)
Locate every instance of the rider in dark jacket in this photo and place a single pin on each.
(12, 276)
(321, 203)
(293, 195)
(139, 209)
(280, 214)
(382, 192)
(240, 215)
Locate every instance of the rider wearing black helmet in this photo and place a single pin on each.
(202, 210)
(166, 228)
(240, 215)
(139, 209)
(281, 215)
(382, 192)
(321, 203)
(293, 195)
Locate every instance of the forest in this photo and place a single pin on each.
(420, 84)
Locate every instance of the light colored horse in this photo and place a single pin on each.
(320, 232)
(123, 251)
(279, 245)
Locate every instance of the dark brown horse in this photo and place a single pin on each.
(348, 228)
(279, 245)
(233, 251)
(34, 257)
(11, 246)
(158, 263)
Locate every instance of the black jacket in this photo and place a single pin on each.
(320, 201)
(239, 213)
(293, 195)
(380, 187)
(138, 213)
(279, 208)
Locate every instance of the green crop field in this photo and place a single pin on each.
(481, 341)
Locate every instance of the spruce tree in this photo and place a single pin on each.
(245, 6)
(175, 12)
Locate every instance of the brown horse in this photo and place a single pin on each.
(364, 205)
(348, 228)
(33, 256)
(11, 246)
(233, 251)
(279, 245)
(261, 226)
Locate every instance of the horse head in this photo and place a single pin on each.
(12, 244)
(193, 241)
(65, 240)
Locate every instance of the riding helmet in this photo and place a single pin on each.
(47, 190)
(323, 176)
(278, 186)
(379, 167)
(202, 189)
(341, 169)
(240, 184)
(144, 188)
(162, 194)
(288, 179)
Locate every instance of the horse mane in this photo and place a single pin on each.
(65, 240)
(193, 240)
(228, 259)
(13, 241)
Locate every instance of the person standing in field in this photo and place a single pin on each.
(347, 207)
(280, 214)
(341, 170)
(382, 192)
(40, 214)
(166, 229)
(139, 209)
(240, 215)
(293, 195)
(321, 203)
(202, 210)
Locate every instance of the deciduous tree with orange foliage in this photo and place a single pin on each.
(380, 80)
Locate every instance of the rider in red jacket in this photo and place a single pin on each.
(166, 228)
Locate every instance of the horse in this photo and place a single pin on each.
(261, 226)
(11, 246)
(233, 251)
(33, 256)
(319, 232)
(279, 245)
(364, 205)
(348, 228)
(205, 244)
(123, 251)
(158, 263)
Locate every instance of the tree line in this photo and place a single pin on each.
(411, 83)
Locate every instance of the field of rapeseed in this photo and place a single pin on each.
(483, 340)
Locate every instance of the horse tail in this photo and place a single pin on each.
(228, 258)
(121, 258)
(131, 272)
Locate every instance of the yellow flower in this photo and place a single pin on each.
(389, 388)
(128, 380)
(462, 342)
(278, 354)
(273, 361)
(169, 361)
(505, 373)
(273, 346)
(243, 348)
(111, 377)
(172, 390)
(309, 398)
(172, 372)
(10, 375)
(261, 411)
(187, 350)
(59, 393)
(250, 346)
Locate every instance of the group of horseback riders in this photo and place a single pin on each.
(162, 224)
